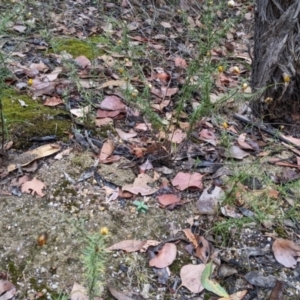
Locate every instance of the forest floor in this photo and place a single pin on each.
(127, 125)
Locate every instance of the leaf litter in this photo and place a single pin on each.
(130, 136)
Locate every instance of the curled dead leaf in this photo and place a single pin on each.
(107, 150)
(127, 245)
(165, 257)
(285, 252)
(186, 180)
(191, 277)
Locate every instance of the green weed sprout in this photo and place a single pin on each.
(140, 206)
(94, 260)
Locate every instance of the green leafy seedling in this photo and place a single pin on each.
(211, 285)
(141, 207)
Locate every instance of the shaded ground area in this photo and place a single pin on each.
(135, 89)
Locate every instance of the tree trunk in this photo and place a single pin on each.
(276, 63)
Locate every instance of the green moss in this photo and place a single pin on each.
(34, 120)
(77, 47)
(83, 160)
(15, 273)
(177, 264)
(281, 232)
(104, 130)
(38, 287)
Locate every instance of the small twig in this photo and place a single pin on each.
(263, 127)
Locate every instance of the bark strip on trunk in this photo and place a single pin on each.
(277, 55)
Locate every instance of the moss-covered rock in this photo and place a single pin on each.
(77, 47)
(33, 120)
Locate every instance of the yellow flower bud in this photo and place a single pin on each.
(104, 231)
(286, 77)
(220, 69)
(236, 70)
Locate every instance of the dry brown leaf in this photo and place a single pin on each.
(200, 245)
(60, 155)
(33, 186)
(8, 145)
(165, 24)
(41, 67)
(191, 277)
(229, 211)
(168, 199)
(186, 180)
(291, 139)
(108, 113)
(127, 245)
(165, 257)
(277, 292)
(180, 62)
(272, 193)
(177, 136)
(169, 91)
(79, 292)
(148, 244)
(111, 159)
(112, 103)
(163, 76)
(164, 91)
(236, 152)
(140, 186)
(19, 28)
(121, 295)
(29, 156)
(124, 3)
(106, 150)
(126, 135)
(54, 74)
(19, 181)
(7, 290)
(109, 60)
(147, 165)
(143, 126)
(40, 88)
(285, 251)
(191, 237)
(207, 136)
(53, 101)
(32, 167)
(287, 164)
(109, 83)
(82, 61)
(242, 141)
(202, 251)
(80, 112)
(104, 121)
(86, 83)
(133, 26)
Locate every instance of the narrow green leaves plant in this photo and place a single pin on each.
(94, 259)
(210, 285)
